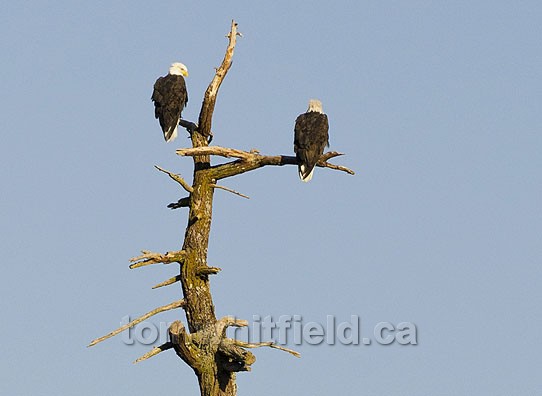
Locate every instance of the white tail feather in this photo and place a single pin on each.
(172, 136)
(302, 172)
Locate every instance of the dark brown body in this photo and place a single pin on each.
(310, 139)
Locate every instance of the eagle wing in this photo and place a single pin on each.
(170, 98)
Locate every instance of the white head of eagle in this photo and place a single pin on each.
(170, 98)
(310, 138)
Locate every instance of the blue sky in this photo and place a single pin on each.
(438, 108)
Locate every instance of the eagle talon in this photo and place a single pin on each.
(189, 126)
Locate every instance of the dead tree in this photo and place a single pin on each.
(204, 346)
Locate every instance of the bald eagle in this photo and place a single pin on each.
(170, 98)
(310, 138)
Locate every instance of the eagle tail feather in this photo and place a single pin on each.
(303, 175)
(171, 134)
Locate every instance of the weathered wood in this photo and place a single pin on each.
(187, 187)
(173, 305)
(200, 311)
(168, 282)
(251, 160)
(206, 271)
(155, 351)
(208, 106)
(149, 258)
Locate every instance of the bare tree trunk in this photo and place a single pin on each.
(213, 377)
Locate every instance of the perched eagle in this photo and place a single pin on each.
(170, 98)
(310, 138)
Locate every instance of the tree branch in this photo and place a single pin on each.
(204, 271)
(188, 188)
(183, 345)
(230, 190)
(238, 167)
(170, 281)
(148, 258)
(269, 344)
(250, 160)
(229, 321)
(234, 358)
(325, 164)
(168, 307)
(212, 90)
(214, 150)
(154, 351)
